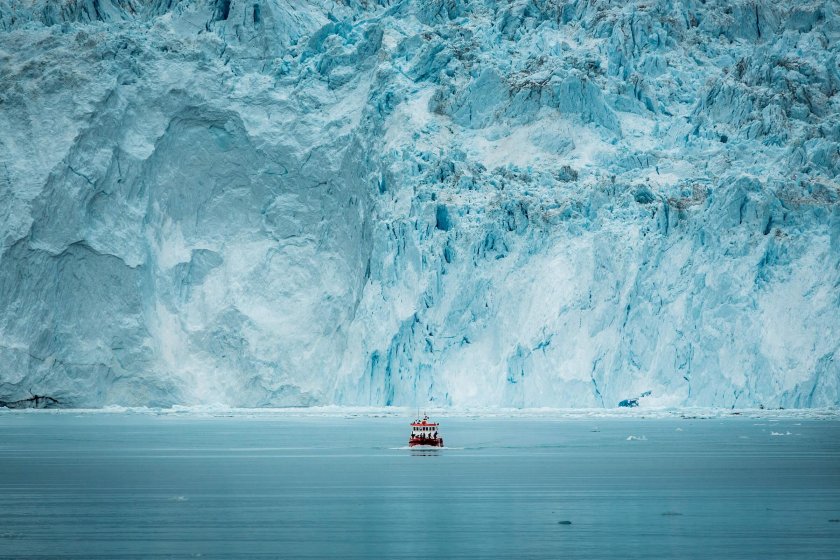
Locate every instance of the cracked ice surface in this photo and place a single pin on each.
(525, 203)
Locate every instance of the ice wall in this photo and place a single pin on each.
(514, 203)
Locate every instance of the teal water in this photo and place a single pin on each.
(179, 486)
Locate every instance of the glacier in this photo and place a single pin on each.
(516, 203)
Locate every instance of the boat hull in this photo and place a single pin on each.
(436, 442)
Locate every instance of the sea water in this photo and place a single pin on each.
(283, 486)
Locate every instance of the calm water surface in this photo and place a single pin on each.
(180, 486)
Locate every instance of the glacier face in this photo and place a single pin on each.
(513, 203)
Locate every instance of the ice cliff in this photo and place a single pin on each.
(469, 203)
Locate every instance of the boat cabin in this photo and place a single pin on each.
(424, 429)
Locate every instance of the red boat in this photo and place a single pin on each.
(424, 432)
